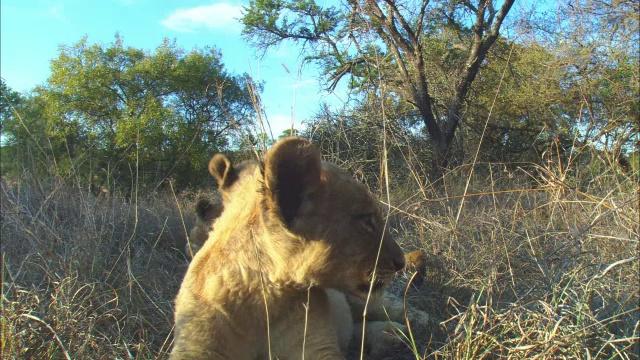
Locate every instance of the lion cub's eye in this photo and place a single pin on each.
(368, 221)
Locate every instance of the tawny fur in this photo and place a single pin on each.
(385, 314)
(291, 229)
(207, 211)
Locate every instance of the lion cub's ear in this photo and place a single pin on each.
(292, 173)
(221, 169)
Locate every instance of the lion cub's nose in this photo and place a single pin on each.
(398, 263)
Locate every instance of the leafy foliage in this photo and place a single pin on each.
(108, 106)
(391, 44)
(8, 100)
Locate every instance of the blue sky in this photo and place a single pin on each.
(32, 30)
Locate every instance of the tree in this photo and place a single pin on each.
(9, 99)
(18, 114)
(354, 138)
(391, 41)
(529, 109)
(570, 87)
(598, 43)
(122, 112)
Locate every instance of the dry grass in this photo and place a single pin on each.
(523, 270)
(86, 277)
(531, 270)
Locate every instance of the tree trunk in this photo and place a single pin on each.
(439, 163)
(485, 34)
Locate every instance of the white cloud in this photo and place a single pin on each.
(220, 16)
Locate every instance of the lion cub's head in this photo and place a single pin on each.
(314, 223)
(206, 213)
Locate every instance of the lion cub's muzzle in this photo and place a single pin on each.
(378, 280)
(391, 261)
(392, 256)
(378, 286)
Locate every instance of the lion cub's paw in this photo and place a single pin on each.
(383, 339)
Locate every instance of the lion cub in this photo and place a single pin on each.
(206, 212)
(291, 229)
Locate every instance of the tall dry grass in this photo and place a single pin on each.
(89, 277)
(520, 265)
(528, 266)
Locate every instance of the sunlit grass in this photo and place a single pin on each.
(546, 273)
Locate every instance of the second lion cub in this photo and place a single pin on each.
(291, 229)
